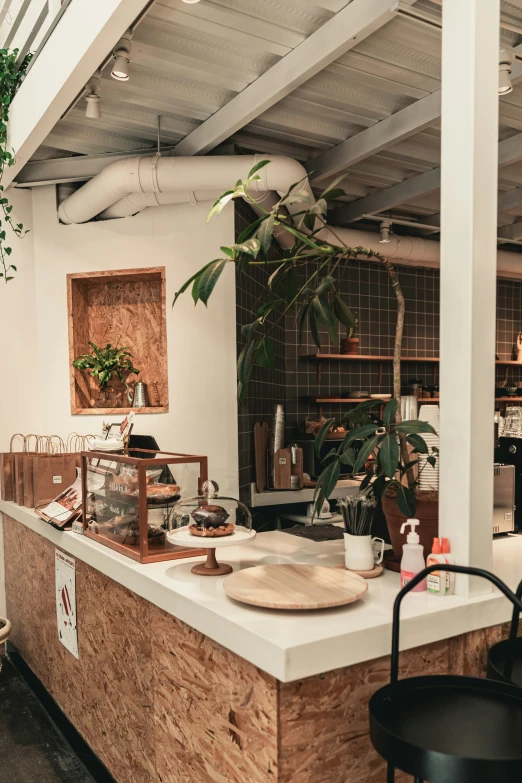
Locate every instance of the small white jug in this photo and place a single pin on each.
(359, 553)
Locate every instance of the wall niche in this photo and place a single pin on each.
(125, 306)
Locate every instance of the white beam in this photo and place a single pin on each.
(399, 126)
(469, 163)
(512, 232)
(346, 29)
(386, 199)
(509, 151)
(78, 44)
(510, 199)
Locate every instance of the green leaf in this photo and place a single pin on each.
(302, 321)
(432, 461)
(325, 284)
(389, 455)
(333, 193)
(343, 313)
(418, 443)
(358, 433)
(322, 434)
(323, 311)
(274, 279)
(365, 483)
(220, 203)
(406, 501)
(250, 230)
(209, 279)
(379, 486)
(390, 410)
(189, 281)
(247, 330)
(265, 233)
(228, 251)
(258, 166)
(265, 352)
(313, 327)
(365, 451)
(267, 307)
(326, 484)
(414, 426)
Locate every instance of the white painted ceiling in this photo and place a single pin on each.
(188, 61)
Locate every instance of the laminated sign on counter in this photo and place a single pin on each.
(65, 577)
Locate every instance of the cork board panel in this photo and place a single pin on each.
(107, 694)
(215, 714)
(324, 719)
(125, 306)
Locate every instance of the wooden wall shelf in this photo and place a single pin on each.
(126, 306)
(340, 400)
(355, 357)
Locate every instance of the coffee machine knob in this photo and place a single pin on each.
(512, 449)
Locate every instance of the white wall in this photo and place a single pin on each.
(19, 385)
(201, 342)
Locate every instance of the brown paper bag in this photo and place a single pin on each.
(41, 445)
(7, 469)
(52, 473)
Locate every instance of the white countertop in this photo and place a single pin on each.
(292, 645)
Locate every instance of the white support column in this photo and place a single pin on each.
(470, 49)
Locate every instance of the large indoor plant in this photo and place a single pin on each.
(304, 281)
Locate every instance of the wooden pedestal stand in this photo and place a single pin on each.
(211, 567)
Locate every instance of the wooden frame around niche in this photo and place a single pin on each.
(124, 303)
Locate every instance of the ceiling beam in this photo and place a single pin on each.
(74, 168)
(77, 45)
(383, 134)
(343, 31)
(510, 199)
(513, 232)
(509, 151)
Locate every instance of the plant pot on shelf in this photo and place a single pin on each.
(350, 345)
(115, 394)
(427, 512)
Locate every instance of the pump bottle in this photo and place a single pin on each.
(413, 557)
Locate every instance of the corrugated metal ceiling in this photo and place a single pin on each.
(188, 61)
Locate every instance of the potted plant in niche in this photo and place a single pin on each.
(111, 367)
(304, 281)
(350, 343)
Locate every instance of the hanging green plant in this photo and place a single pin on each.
(11, 76)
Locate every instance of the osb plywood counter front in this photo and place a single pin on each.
(162, 702)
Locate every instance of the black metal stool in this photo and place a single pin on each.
(448, 728)
(505, 658)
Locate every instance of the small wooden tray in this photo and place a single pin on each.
(375, 571)
(294, 587)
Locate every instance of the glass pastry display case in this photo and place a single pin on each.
(128, 501)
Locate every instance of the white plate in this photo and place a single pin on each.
(183, 537)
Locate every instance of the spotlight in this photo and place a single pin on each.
(385, 231)
(504, 72)
(190, 2)
(121, 54)
(92, 110)
(93, 106)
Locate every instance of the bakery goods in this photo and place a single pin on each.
(210, 520)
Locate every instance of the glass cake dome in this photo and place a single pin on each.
(210, 516)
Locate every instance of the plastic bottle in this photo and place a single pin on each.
(438, 581)
(413, 557)
(450, 578)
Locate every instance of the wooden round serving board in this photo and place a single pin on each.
(295, 586)
(375, 571)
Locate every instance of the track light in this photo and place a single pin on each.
(121, 54)
(92, 110)
(504, 72)
(385, 232)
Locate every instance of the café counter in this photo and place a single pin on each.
(176, 682)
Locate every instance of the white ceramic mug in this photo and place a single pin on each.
(359, 553)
